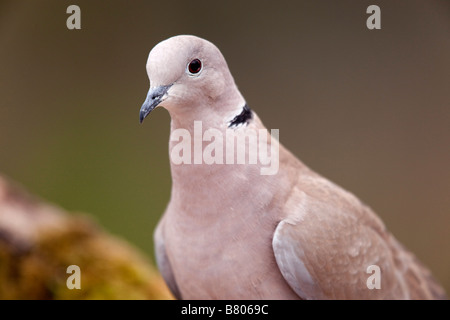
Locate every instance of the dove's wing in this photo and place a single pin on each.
(163, 261)
(325, 247)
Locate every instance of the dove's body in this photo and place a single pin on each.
(231, 233)
(230, 253)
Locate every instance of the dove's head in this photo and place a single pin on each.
(189, 76)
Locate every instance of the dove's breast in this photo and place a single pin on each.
(224, 258)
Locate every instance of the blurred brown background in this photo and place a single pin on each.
(370, 110)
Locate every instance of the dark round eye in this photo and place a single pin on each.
(195, 66)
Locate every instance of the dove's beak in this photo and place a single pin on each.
(155, 96)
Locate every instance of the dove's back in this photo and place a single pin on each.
(330, 244)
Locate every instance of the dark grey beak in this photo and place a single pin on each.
(154, 97)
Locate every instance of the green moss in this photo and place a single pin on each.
(110, 268)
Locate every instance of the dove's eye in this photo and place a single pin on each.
(195, 66)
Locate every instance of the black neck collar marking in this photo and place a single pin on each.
(243, 118)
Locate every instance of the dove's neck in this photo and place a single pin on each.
(206, 179)
(212, 111)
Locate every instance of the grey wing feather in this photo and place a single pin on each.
(163, 262)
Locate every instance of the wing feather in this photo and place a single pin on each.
(326, 244)
(163, 261)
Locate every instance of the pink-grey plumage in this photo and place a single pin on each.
(231, 233)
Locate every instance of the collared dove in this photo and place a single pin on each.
(230, 232)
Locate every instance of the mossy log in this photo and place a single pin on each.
(38, 242)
